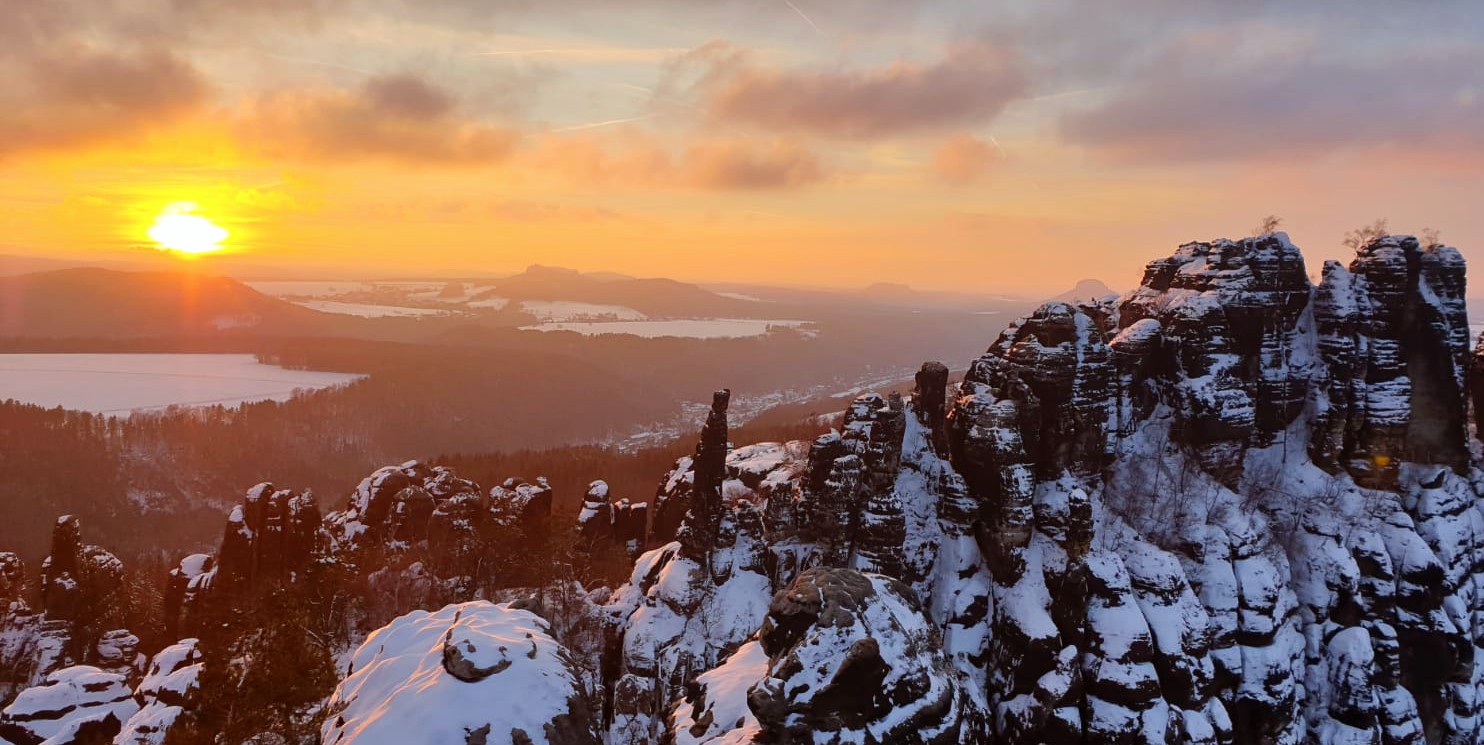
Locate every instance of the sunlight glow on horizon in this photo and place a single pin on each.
(176, 229)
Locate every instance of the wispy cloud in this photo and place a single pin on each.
(597, 54)
(969, 84)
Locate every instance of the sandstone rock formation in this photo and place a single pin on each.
(472, 674)
(1228, 507)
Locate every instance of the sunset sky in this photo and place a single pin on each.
(976, 145)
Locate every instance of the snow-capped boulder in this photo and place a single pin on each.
(469, 673)
(74, 705)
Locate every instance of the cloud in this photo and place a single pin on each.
(75, 94)
(971, 83)
(397, 117)
(963, 159)
(629, 157)
(745, 165)
(1212, 101)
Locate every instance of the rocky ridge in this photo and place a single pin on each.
(1229, 506)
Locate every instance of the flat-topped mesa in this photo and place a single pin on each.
(1236, 353)
(1393, 332)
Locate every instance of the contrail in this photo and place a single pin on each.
(305, 61)
(807, 19)
(1067, 94)
(595, 53)
(524, 52)
(997, 147)
(606, 123)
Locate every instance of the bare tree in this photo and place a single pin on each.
(1366, 235)
(1431, 239)
(1268, 226)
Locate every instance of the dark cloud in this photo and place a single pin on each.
(634, 159)
(969, 84)
(400, 117)
(408, 97)
(1206, 101)
(745, 165)
(74, 94)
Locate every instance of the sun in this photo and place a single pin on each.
(177, 229)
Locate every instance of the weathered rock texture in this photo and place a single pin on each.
(841, 657)
(1229, 507)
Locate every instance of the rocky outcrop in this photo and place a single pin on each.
(167, 690)
(274, 534)
(72, 706)
(1033, 408)
(1230, 507)
(702, 525)
(470, 673)
(523, 504)
(631, 525)
(689, 496)
(1394, 337)
(79, 584)
(841, 657)
(595, 523)
(929, 400)
(1231, 314)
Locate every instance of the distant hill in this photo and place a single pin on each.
(1087, 289)
(652, 297)
(104, 303)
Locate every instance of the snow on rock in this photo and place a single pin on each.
(163, 694)
(469, 673)
(73, 705)
(841, 657)
(1228, 507)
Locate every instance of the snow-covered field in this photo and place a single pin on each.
(703, 328)
(493, 303)
(124, 383)
(307, 288)
(557, 311)
(740, 296)
(368, 310)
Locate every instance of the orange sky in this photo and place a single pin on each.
(976, 146)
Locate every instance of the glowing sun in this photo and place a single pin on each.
(177, 229)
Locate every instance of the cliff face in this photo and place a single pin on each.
(1228, 507)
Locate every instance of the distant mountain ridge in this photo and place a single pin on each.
(94, 302)
(653, 297)
(1087, 289)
